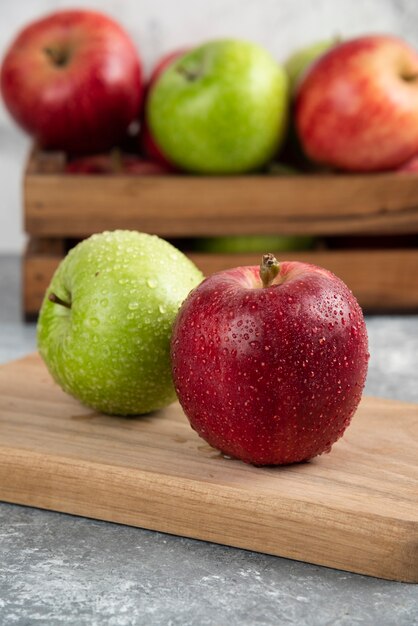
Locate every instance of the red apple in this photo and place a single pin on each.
(152, 151)
(73, 81)
(148, 144)
(357, 108)
(269, 368)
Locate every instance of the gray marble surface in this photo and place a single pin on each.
(57, 569)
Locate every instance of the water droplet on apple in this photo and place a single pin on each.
(151, 283)
(104, 301)
(94, 321)
(132, 306)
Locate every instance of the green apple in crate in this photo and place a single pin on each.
(243, 244)
(105, 324)
(220, 109)
(300, 61)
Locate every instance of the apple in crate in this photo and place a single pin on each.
(220, 109)
(105, 324)
(246, 244)
(301, 60)
(269, 362)
(357, 107)
(73, 81)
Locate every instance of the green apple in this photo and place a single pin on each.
(299, 62)
(253, 243)
(220, 109)
(105, 324)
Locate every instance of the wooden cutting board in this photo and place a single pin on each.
(355, 509)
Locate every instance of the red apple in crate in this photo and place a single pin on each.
(73, 81)
(148, 143)
(357, 108)
(269, 363)
(152, 151)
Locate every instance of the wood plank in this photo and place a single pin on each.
(41, 162)
(380, 279)
(354, 509)
(71, 205)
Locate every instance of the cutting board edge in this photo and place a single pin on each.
(43, 487)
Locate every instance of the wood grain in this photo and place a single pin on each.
(354, 509)
(74, 205)
(380, 279)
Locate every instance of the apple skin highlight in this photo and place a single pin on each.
(270, 375)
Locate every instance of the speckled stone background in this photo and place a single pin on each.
(57, 569)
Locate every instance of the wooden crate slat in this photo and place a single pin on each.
(59, 206)
(380, 279)
(76, 206)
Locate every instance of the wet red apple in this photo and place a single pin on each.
(269, 362)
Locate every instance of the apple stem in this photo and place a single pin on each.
(410, 78)
(189, 74)
(57, 300)
(58, 57)
(269, 269)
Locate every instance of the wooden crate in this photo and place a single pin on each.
(61, 208)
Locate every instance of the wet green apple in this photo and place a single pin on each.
(105, 324)
(220, 109)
